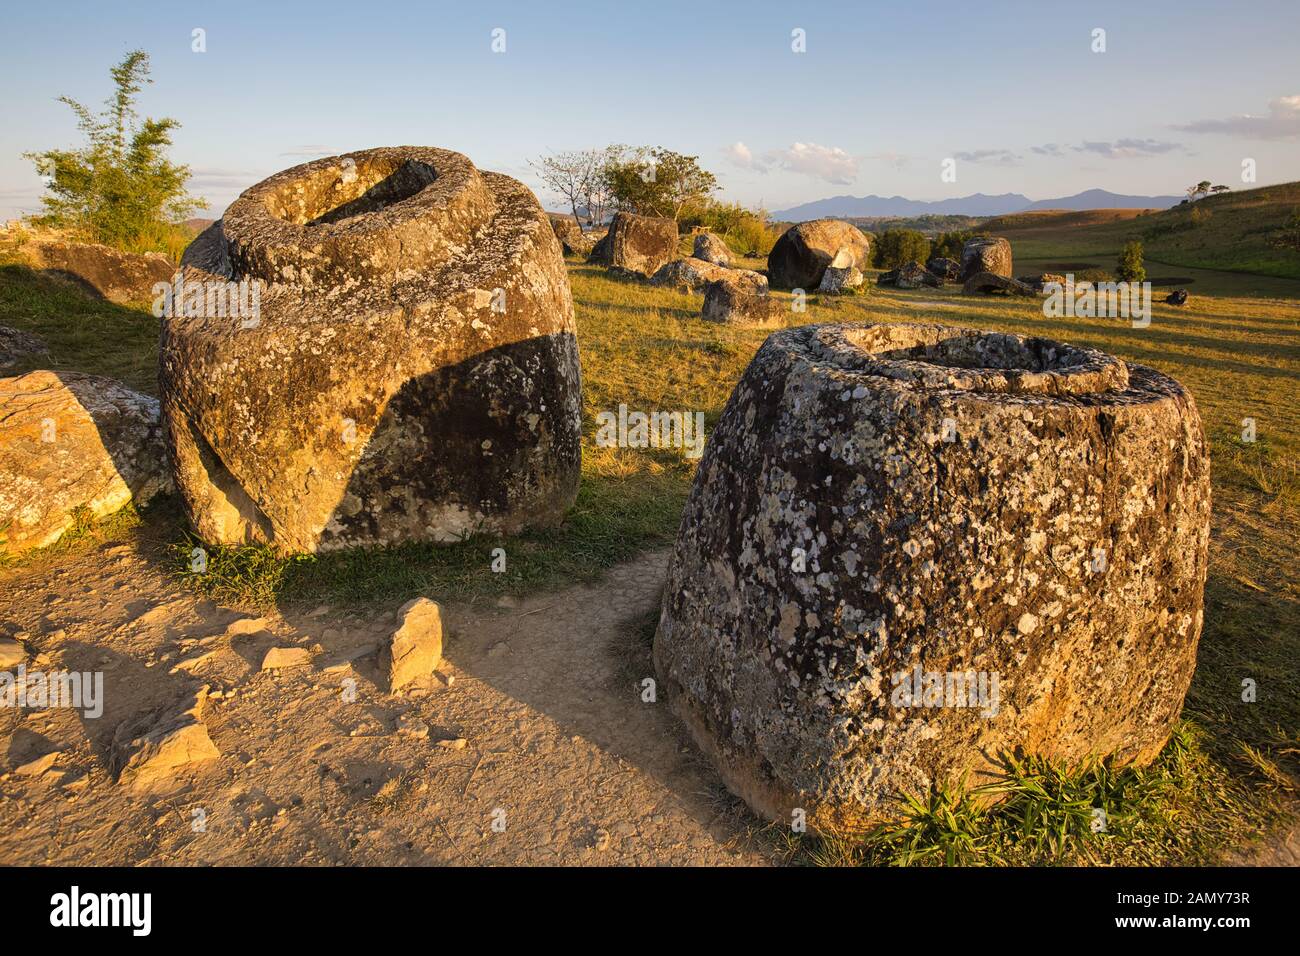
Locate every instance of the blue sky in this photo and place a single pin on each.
(883, 94)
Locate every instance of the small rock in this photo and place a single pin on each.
(409, 725)
(35, 768)
(278, 657)
(11, 653)
(416, 646)
(152, 749)
(455, 743)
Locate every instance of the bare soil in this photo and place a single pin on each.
(562, 761)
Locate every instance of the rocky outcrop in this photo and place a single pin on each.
(711, 249)
(913, 275)
(732, 303)
(692, 274)
(911, 548)
(637, 243)
(412, 373)
(123, 277)
(801, 256)
(986, 283)
(987, 254)
(17, 346)
(73, 444)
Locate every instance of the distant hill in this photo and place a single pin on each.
(978, 204)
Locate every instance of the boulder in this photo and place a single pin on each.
(801, 256)
(841, 275)
(986, 254)
(712, 249)
(149, 751)
(412, 373)
(1177, 297)
(987, 283)
(913, 275)
(416, 646)
(909, 549)
(637, 243)
(73, 444)
(693, 274)
(733, 303)
(123, 277)
(946, 269)
(17, 346)
(572, 239)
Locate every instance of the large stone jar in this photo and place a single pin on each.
(411, 372)
(911, 548)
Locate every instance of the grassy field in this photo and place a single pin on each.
(1228, 774)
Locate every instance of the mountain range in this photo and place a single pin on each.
(978, 204)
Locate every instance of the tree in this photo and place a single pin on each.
(1130, 267)
(656, 181)
(120, 186)
(570, 175)
(1220, 189)
(893, 247)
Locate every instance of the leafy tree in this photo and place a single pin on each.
(1130, 268)
(1216, 190)
(950, 244)
(656, 181)
(893, 247)
(119, 187)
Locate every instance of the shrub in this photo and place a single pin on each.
(893, 247)
(950, 244)
(119, 188)
(1130, 268)
(743, 230)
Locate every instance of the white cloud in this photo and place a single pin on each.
(738, 154)
(1282, 122)
(991, 157)
(1127, 148)
(828, 163)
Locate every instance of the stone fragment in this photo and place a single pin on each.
(691, 274)
(732, 304)
(16, 345)
(151, 750)
(712, 249)
(281, 657)
(416, 646)
(73, 444)
(910, 549)
(122, 277)
(987, 283)
(572, 239)
(946, 269)
(12, 653)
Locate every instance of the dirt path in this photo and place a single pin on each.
(562, 761)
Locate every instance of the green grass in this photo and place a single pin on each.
(1228, 771)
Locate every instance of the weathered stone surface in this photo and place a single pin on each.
(946, 269)
(1177, 297)
(711, 249)
(637, 243)
(16, 345)
(877, 499)
(413, 372)
(802, 254)
(151, 750)
(416, 646)
(734, 304)
(989, 254)
(110, 273)
(12, 653)
(70, 441)
(280, 657)
(841, 275)
(986, 283)
(913, 275)
(572, 239)
(693, 274)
